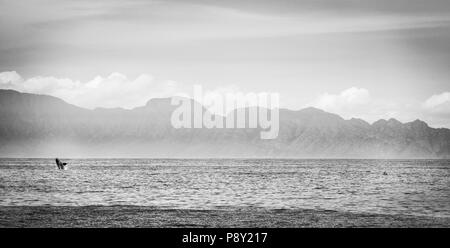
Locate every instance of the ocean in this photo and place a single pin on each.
(409, 187)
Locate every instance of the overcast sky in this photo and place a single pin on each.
(358, 58)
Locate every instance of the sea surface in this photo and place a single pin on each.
(411, 187)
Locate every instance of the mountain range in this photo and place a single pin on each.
(45, 126)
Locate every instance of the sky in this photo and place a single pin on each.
(368, 59)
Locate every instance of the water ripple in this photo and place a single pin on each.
(413, 187)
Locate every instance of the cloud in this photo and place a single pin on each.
(438, 104)
(9, 78)
(115, 90)
(359, 103)
(349, 100)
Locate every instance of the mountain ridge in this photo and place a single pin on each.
(41, 125)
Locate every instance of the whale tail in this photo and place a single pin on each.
(61, 165)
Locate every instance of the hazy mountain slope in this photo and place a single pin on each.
(38, 125)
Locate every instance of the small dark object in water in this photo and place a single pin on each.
(61, 165)
(385, 173)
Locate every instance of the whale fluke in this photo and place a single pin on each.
(61, 165)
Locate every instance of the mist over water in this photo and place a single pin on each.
(411, 187)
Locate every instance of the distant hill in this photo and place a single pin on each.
(44, 126)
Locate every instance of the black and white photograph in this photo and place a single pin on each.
(199, 114)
